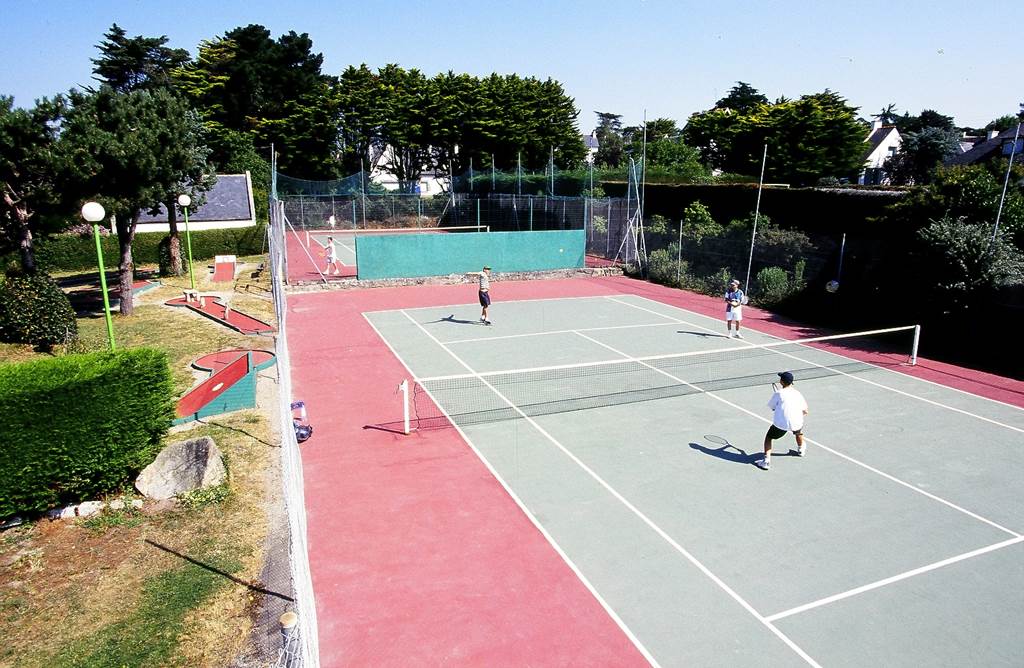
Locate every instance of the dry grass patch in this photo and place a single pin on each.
(176, 589)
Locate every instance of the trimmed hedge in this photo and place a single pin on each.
(68, 252)
(78, 426)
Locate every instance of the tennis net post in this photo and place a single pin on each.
(404, 387)
(913, 348)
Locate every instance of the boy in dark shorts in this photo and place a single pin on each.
(484, 292)
(789, 408)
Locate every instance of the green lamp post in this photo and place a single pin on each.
(184, 201)
(93, 213)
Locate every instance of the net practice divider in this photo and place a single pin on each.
(467, 398)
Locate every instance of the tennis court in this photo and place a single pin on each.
(897, 540)
(307, 249)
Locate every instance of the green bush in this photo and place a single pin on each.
(772, 285)
(33, 309)
(78, 426)
(71, 252)
(663, 267)
(657, 225)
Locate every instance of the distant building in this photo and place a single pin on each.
(591, 143)
(228, 204)
(994, 146)
(883, 143)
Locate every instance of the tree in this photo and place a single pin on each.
(27, 142)
(145, 63)
(360, 96)
(609, 139)
(887, 115)
(137, 63)
(742, 99)
(270, 90)
(920, 153)
(812, 137)
(1002, 123)
(128, 150)
(926, 119)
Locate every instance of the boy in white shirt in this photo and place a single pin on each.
(484, 292)
(733, 308)
(789, 408)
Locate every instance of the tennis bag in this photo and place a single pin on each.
(302, 431)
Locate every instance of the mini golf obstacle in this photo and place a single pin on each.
(215, 309)
(224, 268)
(230, 387)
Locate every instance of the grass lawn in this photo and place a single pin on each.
(170, 585)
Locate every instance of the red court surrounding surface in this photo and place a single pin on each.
(418, 555)
(303, 267)
(215, 310)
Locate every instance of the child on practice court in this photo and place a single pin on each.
(733, 309)
(789, 409)
(484, 292)
(332, 258)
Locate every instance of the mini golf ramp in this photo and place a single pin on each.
(224, 268)
(231, 387)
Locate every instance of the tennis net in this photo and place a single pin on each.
(476, 398)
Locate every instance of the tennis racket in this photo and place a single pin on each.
(717, 440)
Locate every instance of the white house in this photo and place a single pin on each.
(592, 145)
(883, 143)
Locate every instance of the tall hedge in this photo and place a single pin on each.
(69, 252)
(77, 426)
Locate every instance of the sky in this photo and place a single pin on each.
(666, 58)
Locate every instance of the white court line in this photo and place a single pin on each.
(896, 578)
(477, 305)
(853, 376)
(893, 478)
(561, 331)
(522, 506)
(636, 511)
(780, 338)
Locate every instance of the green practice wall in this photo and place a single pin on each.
(410, 255)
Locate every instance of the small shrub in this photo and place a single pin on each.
(662, 266)
(657, 225)
(33, 309)
(600, 224)
(125, 518)
(205, 496)
(772, 285)
(698, 223)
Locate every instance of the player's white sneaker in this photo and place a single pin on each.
(801, 450)
(738, 335)
(763, 464)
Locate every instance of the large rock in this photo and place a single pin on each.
(182, 467)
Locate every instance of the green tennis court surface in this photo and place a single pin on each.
(897, 540)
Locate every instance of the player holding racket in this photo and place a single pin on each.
(789, 408)
(734, 300)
